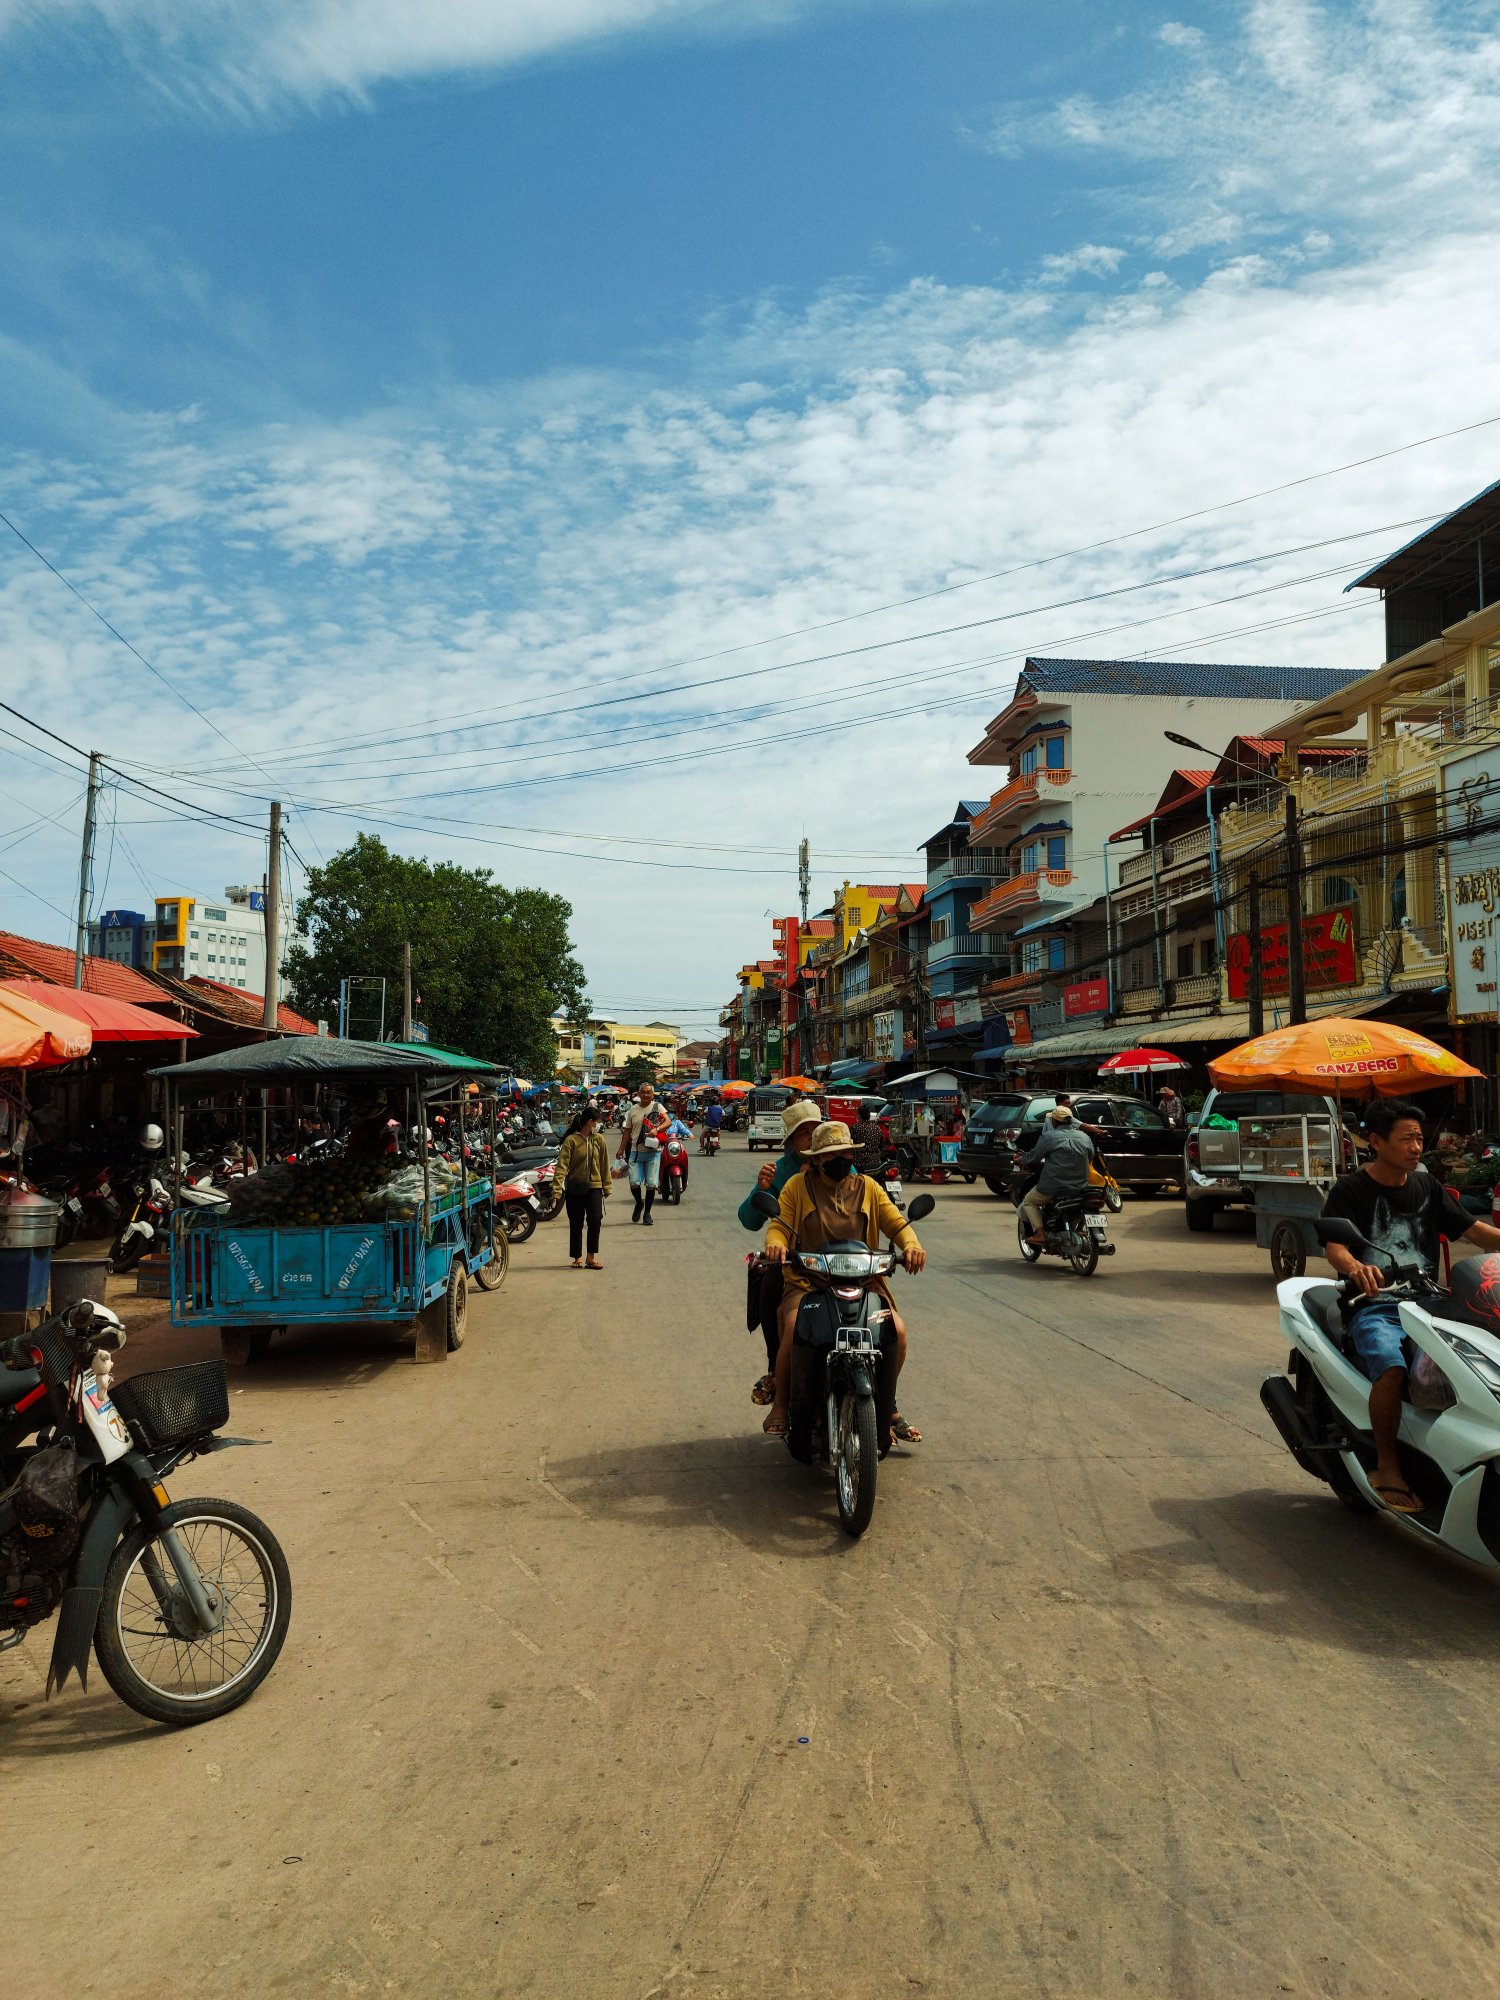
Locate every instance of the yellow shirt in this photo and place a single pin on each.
(583, 1161)
(876, 1215)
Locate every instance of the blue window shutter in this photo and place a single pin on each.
(1056, 953)
(1055, 754)
(1057, 850)
(1028, 858)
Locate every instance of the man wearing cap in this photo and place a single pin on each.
(1063, 1152)
(824, 1203)
(799, 1120)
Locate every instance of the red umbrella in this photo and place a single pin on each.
(1139, 1062)
(111, 1020)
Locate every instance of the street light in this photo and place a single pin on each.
(1296, 971)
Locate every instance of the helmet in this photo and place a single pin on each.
(152, 1138)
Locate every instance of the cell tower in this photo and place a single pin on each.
(804, 865)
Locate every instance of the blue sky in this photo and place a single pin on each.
(373, 367)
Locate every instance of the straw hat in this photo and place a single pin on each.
(831, 1137)
(1061, 1114)
(799, 1113)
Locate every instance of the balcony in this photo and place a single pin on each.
(1198, 990)
(966, 947)
(1170, 854)
(979, 864)
(1017, 982)
(1013, 799)
(1041, 885)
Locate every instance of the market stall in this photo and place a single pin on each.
(387, 1233)
(1292, 1160)
(925, 1115)
(32, 1036)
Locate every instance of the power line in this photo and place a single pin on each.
(1040, 562)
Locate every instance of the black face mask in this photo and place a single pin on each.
(834, 1170)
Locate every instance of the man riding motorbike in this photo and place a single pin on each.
(713, 1121)
(825, 1202)
(1063, 1153)
(799, 1120)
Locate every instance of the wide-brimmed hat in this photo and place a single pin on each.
(831, 1137)
(799, 1113)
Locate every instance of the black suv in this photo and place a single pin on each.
(1140, 1148)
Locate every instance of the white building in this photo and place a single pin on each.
(1085, 749)
(196, 938)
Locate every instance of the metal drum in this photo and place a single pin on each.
(28, 1222)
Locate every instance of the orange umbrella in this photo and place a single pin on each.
(799, 1083)
(733, 1089)
(1350, 1058)
(36, 1037)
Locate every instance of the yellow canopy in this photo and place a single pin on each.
(36, 1037)
(1341, 1057)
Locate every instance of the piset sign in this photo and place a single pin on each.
(1328, 956)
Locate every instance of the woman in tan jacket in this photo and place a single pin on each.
(583, 1170)
(827, 1202)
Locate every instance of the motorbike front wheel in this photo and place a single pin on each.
(1028, 1250)
(144, 1642)
(1114, 1201)
(857, 1454)
(1083, 1252)
(520, 1221)
(126, 1253)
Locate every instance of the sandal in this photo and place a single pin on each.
(577, 1264)
(1388, 1493)
(900, 1428)
(764, 1390)
(774, 1426)
(594, 1264)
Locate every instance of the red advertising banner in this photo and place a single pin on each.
(1090, 996)
(1328, 957)
(942, 1014)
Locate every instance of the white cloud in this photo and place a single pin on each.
(1094, 260)
(1178, 35)
(256, 54)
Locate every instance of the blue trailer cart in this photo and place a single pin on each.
(427, 1223)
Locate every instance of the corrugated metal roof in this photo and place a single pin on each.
(31, 959)
(1429, 556)
(1206, 681)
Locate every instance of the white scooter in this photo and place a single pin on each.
(1450, 1450)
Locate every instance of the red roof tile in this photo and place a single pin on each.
(239, 1005)
(29, 958)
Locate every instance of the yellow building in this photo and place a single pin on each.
(857, 907)
(601, 1045)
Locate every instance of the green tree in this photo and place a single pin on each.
(491, 964)
(639, 1070)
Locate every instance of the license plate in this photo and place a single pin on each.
(1097, 1223)
(534, 1203)
(75, 1204)
(895, 1190)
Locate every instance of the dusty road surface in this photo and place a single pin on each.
(586, 1695)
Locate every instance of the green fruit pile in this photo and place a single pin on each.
(329, 1191)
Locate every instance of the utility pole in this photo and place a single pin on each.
(86, 871)
(1257, 989)
(804, 880)
(1296, 970)
(406, 991)
(268, 1017)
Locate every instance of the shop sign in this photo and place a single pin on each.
(1328, 957)
(1019, 1022)
(773, 1045)
(887, 1034)
(1089, 996)
(1471, 794)
(942, 1014)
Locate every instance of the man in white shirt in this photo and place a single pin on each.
(640, 1143)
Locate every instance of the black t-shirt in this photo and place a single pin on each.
(1405, 1222)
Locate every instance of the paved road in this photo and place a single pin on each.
(586, 1695)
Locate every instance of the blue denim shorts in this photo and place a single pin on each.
(1375, 1328)
(645, 1168)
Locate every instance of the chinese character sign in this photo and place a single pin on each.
(1328, 955)
(1471, 799)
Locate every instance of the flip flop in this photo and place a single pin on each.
(764, 1390)
(908, 1433)
(1392, 1504)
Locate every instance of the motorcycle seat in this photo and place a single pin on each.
(1321, 1304)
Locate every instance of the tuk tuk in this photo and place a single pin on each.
(763, 1108)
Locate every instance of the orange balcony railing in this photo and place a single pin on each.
(1016, 894)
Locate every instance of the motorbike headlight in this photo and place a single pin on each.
(849, 1263)
(1487, 1370)
(812, 1260)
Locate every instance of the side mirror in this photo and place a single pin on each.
(922, 1206)
(764, 1203)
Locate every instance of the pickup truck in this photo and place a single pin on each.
(1211, 1157)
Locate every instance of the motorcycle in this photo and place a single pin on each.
(673, 1170)
(888, 1176)
(548, 1192)
(1075, 1229)
(709, 1142)
(86, 1203)
(146, 1219)
(843, 1392)
(1449, 1439)
(1101, 1178)
(517, 1207)
(185, 1603)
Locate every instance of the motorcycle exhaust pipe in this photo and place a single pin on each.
(1279, 1400)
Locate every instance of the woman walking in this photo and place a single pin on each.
(583, 1169)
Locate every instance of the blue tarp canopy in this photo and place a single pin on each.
(849, 1071)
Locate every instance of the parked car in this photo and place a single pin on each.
(1140, 1148)
(1211, 1155)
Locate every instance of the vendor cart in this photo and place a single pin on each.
(1291, 1163)
(389, 1234)
(925, 1114)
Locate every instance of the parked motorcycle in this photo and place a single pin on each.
(517, 1207)
(86, 1203)
(1449, 1438)
(1075, 1229)
(843, 1392)
(674, 1169)
(185, 1603)
(548, 1191)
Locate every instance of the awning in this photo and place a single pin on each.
(1054, 923)
(848, 1071)
(1231, 1027)
(36, 1037)
(969, 1032)
(111, 1020)
(297, 1056)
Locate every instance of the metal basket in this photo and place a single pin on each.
(174, 1405)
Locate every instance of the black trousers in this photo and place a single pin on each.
(772, 1284)
(583, 1204)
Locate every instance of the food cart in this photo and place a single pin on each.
(354, 1240)
(924, 1115)
(1292, 1162)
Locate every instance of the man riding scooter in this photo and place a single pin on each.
(1062, 1154)
(713, 1126)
